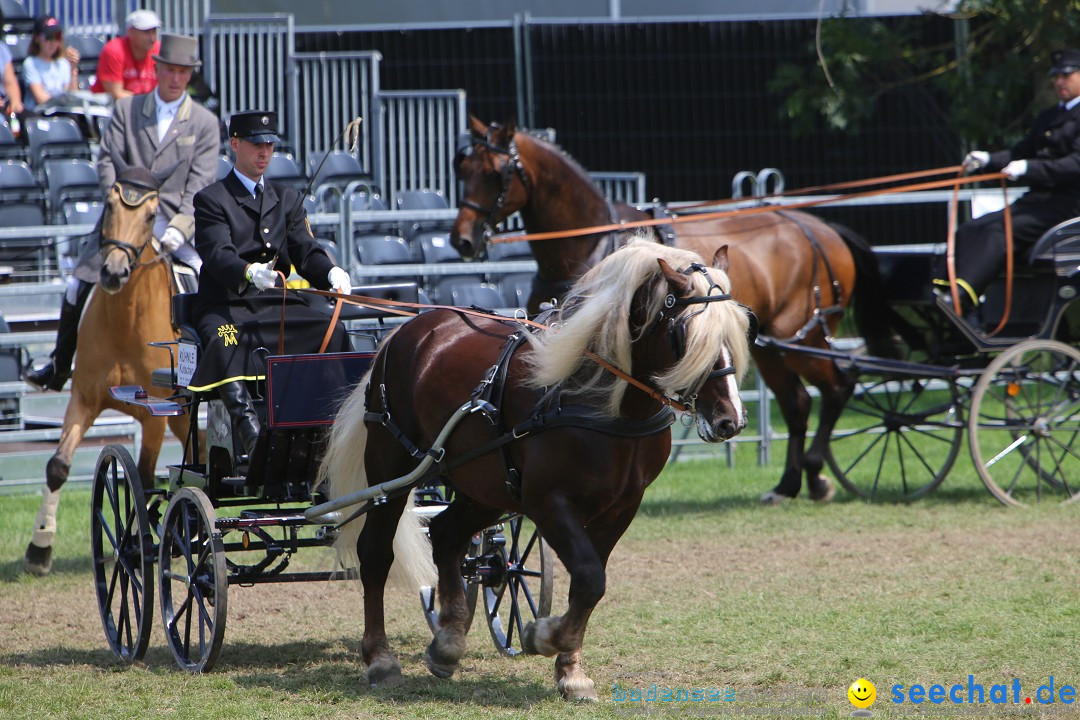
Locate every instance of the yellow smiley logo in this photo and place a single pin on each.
(862, 693)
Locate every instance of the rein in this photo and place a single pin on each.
(680, 404)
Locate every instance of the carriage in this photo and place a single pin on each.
(1013, 391)
(212, 524)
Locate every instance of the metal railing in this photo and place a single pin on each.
(418, 131)
(331, 90)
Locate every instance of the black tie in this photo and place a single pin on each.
(258, 196)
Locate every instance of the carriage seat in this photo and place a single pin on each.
(183, 322)
(1059, 247)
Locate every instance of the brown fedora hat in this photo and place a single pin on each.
(179, 50)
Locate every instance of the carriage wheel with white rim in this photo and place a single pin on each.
(524, 593)
(1025, 421)
(194, 582)
(122, 547)
(897, 438)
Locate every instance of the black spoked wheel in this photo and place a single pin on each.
(525, 592)
(194, 583)
(897, 438)
(429, 599)
(1025, 420)
(122, 547)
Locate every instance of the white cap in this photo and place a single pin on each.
(143, 20)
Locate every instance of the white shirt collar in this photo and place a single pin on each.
(1072, 103)
(247, 182)
(167, 107)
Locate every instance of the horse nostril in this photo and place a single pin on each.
(726, 428)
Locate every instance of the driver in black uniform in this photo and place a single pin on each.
(246, 231)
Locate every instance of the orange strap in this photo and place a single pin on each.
(757, 210)
(393, 306)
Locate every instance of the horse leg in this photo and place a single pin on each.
(836, 388)
(78, 417)
(153, 434)
(375, 549)
(794, 403)
(450, 532)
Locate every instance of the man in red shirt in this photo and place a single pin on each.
(126, 66)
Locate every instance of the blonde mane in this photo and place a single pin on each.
(596, 316)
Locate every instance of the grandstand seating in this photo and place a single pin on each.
(382, 250)
(508, 251)
(10, 147)
(70, 179)
(54, 137)
(80, 212)
(16, 18)
(516, 288)
(330, 177)
(465, 291)
(435, 248)
(19, 45)
(284, 169)
(89, 47)
(224, 167)
(18, 185)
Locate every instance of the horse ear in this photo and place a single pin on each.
(720, 259)
(478, 128)
(677, 282)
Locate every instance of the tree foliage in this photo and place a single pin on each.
(987, 80)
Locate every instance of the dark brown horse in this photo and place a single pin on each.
(129, 310)
(794, 271)
(652, 311)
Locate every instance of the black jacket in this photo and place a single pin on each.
(1052, 149)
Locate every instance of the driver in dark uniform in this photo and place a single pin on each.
(246, 231)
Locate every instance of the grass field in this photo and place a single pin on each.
(707, 590)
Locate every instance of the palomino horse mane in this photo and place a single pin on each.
(595, 318)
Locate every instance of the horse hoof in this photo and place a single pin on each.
(825, 490)
(37, 561)
(536, 637)
(578, 690)
(384, 673)
(774, 498)
(440, 669)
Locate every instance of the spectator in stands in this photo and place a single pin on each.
(246, 230)
(1048, 160)
(49, 69)
(126, 64)
(10, 93)
(166, 132)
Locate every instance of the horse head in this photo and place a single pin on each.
(495, 184)
(127, 225)
(665, 320)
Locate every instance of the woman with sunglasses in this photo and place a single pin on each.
(49, 69)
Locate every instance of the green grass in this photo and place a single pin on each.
(706, 590)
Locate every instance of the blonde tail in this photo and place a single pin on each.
(342, 472)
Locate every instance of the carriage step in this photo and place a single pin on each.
(135, 395)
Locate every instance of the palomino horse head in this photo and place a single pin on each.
(127, 225)
(667, 320)
(495, 185)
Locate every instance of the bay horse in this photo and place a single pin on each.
(794, 271)
(654, 312)
(130, 308)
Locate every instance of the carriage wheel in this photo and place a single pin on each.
(122, 546)
(525, 593)
(429, 599)
(1025, 419)
(194, 584)
(897, 438)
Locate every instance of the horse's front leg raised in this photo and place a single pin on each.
(79, 416)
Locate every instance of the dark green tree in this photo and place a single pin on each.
(987, 81)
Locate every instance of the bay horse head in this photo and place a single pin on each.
(665, 319)
(127, 225)
(495, 183)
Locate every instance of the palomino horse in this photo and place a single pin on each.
(794, 271)
(646, 309)
(130, 309)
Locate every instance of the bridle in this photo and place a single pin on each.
(132, 196)
(513, 166)
(671, 314)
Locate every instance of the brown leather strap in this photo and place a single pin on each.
(1007, 216)
(393, 306)
(330, 328)
(757, 210)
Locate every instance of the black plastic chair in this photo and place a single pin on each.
(10, 147)
(284, 169)
(18, 185)
(16, 19)
(81, 212)
(339, 169)
(516, 288)
(464, 293)
(70, 179)
(436, 248)
(54, 137)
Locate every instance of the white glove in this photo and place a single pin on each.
(261, 276)
(172, 239)
(339, 281)
(1015, 169)
(976, 160)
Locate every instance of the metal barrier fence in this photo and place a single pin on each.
(626, 188)
(331, 90)
(417, 135)
(106, 17)
(248, 63)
